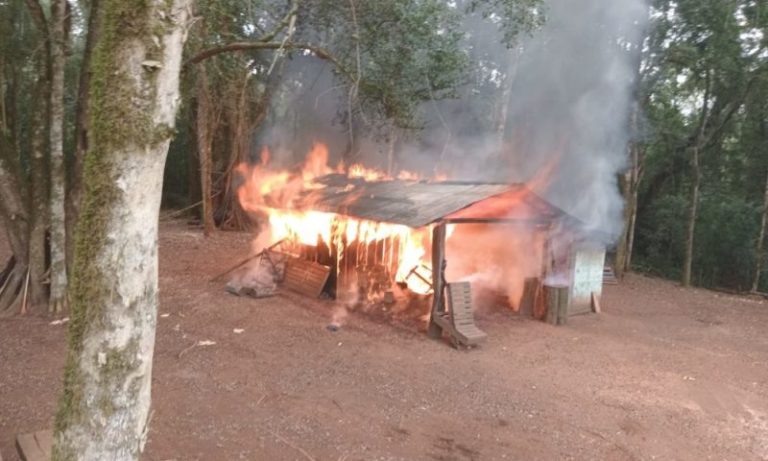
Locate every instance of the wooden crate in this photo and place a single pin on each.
(306, 277)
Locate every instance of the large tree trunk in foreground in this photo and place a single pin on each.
(58, 177)
(104, 411)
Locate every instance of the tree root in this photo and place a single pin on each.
(12, 282)
(57, 306)
(16, 290)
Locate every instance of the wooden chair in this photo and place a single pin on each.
(457, 319)
(35, 446)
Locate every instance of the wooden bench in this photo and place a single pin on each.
(35, 446)
(458, 320)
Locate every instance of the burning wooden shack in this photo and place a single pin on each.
(359, 236)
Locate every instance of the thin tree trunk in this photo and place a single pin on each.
(630, 183)
(205, 130)
(194, 195)
(759, 256)
(104, 410)
(620, 261)
(502, 109)
(699, 142)
(38, 201)
(692, 216)
(632, 226)
(36, 197)
(58, 174)
(391, 149)
(15, 219)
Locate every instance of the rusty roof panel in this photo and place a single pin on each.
(411, 203)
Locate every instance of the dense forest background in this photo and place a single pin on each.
(471, 88)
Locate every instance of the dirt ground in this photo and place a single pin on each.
(664, 373)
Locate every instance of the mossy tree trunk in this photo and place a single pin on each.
(134, 93)
(75, 169)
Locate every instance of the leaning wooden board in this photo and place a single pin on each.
(306, 277)
(35, 446)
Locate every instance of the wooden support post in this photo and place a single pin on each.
(530, 296)
(546, 255)
(596, 303)
(557, 304)
(438, 278)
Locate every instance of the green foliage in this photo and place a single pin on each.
(720, 48)
(410, 57)
(514, 17)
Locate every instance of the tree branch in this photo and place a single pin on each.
(282, 24)
(245, 46)
(38, 16)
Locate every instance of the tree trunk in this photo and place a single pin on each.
(57, 221)
(392, 144)
(630, 184)
(502, 109)
(104, 410)
(205, 130)
(759, 256)
(620, 261)
(692, 215)
(15, 220)
(38, 200)
(632, 226)
(14, 216)
(74, 186)
(699, 141)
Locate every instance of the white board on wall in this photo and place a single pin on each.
(587, 273)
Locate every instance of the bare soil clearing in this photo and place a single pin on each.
(663, 373)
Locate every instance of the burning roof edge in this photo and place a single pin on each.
(419, 203)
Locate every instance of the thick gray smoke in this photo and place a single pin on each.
(567, 109)
(571, 100)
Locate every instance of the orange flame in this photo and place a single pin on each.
(273, 193)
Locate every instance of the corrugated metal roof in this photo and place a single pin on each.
(411, 203)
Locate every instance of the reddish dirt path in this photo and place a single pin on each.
(663, 373)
